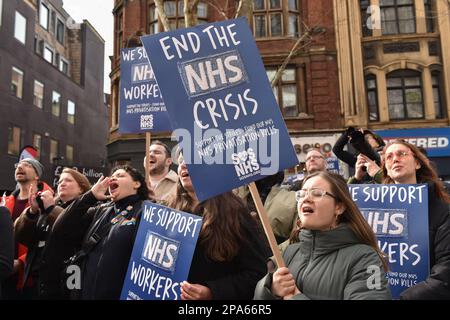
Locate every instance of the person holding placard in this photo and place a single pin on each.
(404, 163)
(230, 256)
(104, 232)
(335, 253)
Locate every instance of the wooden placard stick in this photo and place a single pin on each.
(266, 225)
(148, 138)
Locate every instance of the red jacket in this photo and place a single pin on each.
(10, 202)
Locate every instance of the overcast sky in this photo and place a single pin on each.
(99, 14)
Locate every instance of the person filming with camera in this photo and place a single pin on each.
(366, 160)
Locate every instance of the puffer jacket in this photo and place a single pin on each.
(437, 284)
(331, 265)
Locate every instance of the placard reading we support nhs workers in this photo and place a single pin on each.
(162, 254)
(142, 108)
(221, 104)
(398, 214)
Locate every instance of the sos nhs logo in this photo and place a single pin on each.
(245, 163)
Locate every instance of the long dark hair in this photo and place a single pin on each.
(142, 191)
(351, 215)
(223, 216)
(425, 174)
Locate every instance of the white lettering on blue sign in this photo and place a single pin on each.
(160, 251)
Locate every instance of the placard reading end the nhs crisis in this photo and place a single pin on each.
(162, 254)
(398, 214)
(142, 108)
(220, 104)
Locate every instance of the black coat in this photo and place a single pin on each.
(437, 285)
(105, 266)
(235, 279)
(6, 245)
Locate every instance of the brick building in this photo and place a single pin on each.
(308, 92)
(51, 88)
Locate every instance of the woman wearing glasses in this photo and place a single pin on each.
(405, 164)
(334, 254)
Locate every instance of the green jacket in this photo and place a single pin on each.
(331, 265)
(281, 209)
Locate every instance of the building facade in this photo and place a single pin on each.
(394, 70)
(51, 88)
(308, 91)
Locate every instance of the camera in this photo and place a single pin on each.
(359, 142)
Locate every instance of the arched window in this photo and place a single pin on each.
(372, 97)
(405, 98)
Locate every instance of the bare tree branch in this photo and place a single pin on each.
(221, 11)
(245, 9)
(307, 39)
(162, 14)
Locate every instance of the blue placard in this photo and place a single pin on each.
(220, 101)
(434, 140)
(142, 108)
(398, 214)
(162, 254)
(332, 164)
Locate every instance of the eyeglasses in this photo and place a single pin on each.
(314, 158)
(389, 157)
(23, 163)
(314, 194)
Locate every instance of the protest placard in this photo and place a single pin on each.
(162, 254)
(142, 108)
(220, 104)
(398, 214)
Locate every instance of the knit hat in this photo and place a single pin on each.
(80, 178)
(38, 167)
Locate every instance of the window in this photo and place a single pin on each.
(397, 16)
(60, 30)
(152, 19)
(293, 20)
(275, 18)
(286, 91)
(69, 154)
(119, 33)
(364, 5)
(14, 140)
(53, 151)
(268, 18)
(372, 97)
(48, 54)
(63, 66)
(438, 107)
(56, 103)
(70, 111)
(38, 99)
(43, 16)
(175, 13)
(405, 97)
(20, 27)
(17, 82)
(37, 143)
(429, 15)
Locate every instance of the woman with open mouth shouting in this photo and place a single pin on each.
(105, 232)
(336, 255)
(231, 251)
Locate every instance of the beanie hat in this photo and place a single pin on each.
(80, 178)
(38, 167)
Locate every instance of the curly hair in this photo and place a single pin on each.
(142, 191)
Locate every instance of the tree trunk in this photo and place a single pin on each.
(245, 9)
(190, 13)
(162, 14)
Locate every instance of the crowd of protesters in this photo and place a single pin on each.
(327, 243)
